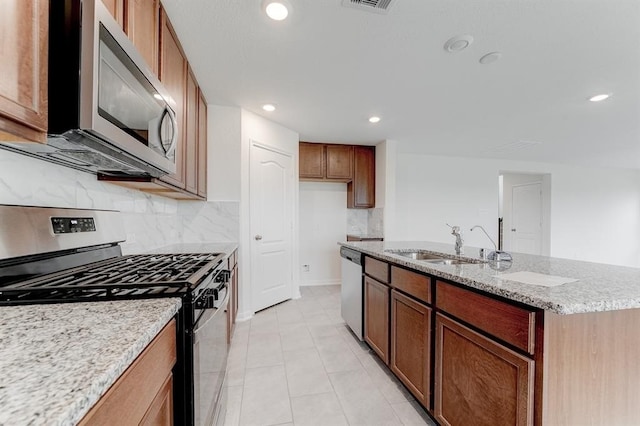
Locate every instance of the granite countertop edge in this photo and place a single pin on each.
(511, 290)
(51, 372)
(104, 381)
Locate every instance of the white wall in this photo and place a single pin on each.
(258, 129)
(323, 222)
(595, 213)
(223, 133)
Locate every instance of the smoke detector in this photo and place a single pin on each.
(376, 6)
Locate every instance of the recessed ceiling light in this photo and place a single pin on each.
(490, 58)
(276, 10)
(269, 107)
(598, 98)
(374, 119)
(458, 43)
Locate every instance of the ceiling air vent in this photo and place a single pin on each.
(376, 6)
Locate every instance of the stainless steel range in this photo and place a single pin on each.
(52, 255)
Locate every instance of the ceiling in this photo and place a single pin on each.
(328, 68)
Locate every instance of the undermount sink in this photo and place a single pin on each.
(432, 258)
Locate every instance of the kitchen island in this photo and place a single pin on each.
(58, 360)
(476, 346)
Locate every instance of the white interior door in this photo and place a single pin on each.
(526, 225)
(271, 203)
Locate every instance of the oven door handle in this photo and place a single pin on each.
(198, 327)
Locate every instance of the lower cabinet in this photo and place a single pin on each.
(143, 394)
(232, 310)
(479, 381)
(411, 345)
(376, 317)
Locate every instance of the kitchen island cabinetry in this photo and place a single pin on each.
(411, 345)
(23, 70)
(233, 300)
(479, 381)
(144, 392)
(376, 317)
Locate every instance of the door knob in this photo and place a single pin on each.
(258, 237)
(513, 229)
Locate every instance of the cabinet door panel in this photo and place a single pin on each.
(376, 317)
(173, 74)
(191, 136)
(339, 162)
(143, 28)
(116, 8)
(361, 191)
(23, 69)
(411, 345)
(202, 146)
(311, 161)
(478, 381)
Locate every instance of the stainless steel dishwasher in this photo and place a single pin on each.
(351, 307)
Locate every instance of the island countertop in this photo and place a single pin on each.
(599, 287)
(57, 360)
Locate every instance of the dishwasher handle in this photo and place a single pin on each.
(351, 255)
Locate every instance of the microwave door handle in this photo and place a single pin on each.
(168, 113)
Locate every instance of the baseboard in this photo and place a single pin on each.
(320, 282)
(243, 316)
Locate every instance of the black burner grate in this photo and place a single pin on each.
(158, 275)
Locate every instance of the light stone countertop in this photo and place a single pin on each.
(57, 360)
(600, 287)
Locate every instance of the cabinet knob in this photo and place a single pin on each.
(513, 229)
(258, 237)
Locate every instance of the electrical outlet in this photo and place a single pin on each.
(305, 268)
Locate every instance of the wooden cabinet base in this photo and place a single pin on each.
(478, 381)
(376, 317)
(144, 390)
(411, 345)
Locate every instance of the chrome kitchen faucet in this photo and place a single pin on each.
(455, 230)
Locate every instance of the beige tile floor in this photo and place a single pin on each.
(297, 364)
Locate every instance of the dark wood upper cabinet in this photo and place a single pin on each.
(23, 70)
(339, 162)
(142, 25)
(202, 145)
(312, 161)
(361, 191)
(353, 164)
(191, 135)
(173, 75)
(479, 381)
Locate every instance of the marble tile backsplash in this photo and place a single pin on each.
(150, 221)
(369, 221)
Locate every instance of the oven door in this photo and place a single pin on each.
(210, 358)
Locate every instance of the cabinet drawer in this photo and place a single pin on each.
(510, 323)
(417, 285)
(376, 269)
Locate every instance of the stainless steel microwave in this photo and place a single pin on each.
(108, 112)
